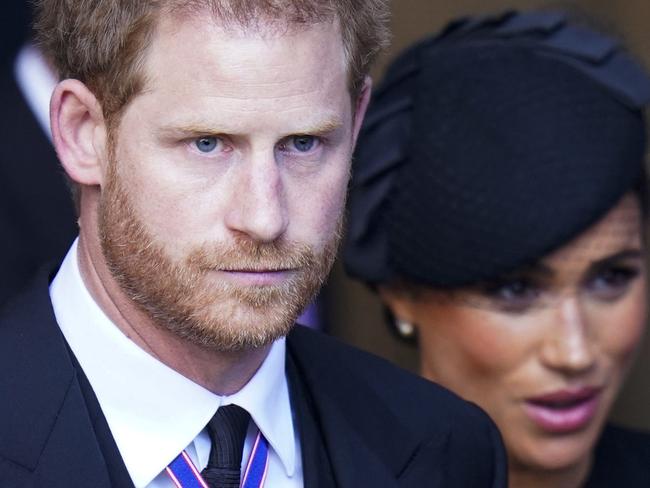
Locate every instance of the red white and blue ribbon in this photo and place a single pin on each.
(184, 474)
(258, 464)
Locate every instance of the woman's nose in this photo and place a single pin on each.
(568, 345)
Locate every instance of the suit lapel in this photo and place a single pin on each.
(46, 435)
(316, 463)
(117, 471)
(366, 443)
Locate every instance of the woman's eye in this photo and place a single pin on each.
(512, 295)
(206, 144)
(611, 282)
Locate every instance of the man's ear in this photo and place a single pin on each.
(78, 132)
(361, 106)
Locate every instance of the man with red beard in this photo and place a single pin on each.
(208, 144)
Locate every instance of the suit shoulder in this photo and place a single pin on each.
(629, 443)
(416, 399)
(622, 458)
(374, 391)
(438, 431)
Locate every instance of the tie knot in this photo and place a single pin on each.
(227, 430)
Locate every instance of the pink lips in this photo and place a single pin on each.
(564, 411)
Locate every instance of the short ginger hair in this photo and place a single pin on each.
(103, 43)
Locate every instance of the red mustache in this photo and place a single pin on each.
(247, 255)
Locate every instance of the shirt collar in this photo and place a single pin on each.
(153, 411)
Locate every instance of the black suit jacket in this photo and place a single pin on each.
(37, 220)
(363, 422)
(622, 458)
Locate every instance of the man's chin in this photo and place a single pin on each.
(238, 338)
(237, 328)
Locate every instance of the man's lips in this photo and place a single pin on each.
(255, 277)
(564, 411)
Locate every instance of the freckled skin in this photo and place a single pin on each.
(498, 359)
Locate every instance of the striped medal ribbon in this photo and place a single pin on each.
(184, 474)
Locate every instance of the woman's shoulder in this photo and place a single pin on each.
(622, 458)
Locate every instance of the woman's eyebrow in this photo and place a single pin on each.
(625, 254)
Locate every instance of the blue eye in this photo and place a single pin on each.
(206, 144)
(303, 143)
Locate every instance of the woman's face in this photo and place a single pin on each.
(543, 351)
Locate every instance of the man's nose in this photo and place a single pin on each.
(258, 206)
(568, 346)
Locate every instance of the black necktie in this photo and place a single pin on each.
(227, 431)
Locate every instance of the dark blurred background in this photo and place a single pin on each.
(13, 28)
(37, 221)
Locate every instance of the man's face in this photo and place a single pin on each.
(225, 189)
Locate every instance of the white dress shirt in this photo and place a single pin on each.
(153, 411)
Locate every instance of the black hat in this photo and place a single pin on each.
(489, 146)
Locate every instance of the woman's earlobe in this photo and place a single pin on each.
(77, 126)
(399, 303)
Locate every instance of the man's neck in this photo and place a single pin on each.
(223, 373)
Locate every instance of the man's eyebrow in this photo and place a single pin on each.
(321, 128)
(191, 129)
(196, 128)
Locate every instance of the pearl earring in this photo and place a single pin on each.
(405, 328)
